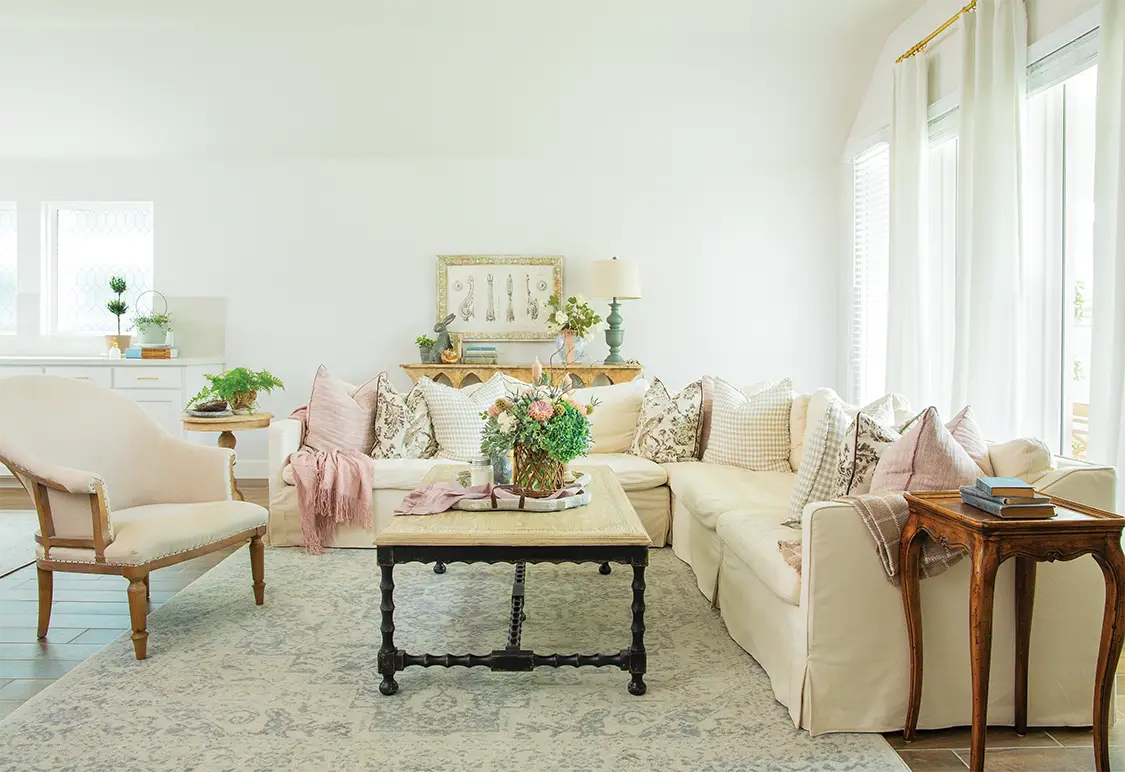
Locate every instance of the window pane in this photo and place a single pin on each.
(871, 175)
(93, 244)
(1081, 110)
(7, 267)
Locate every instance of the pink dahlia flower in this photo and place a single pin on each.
(541, 410)
(493, 410)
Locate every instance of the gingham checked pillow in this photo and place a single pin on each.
(456, 416)
(816, 480)
(750, 432)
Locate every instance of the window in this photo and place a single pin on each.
(8, 257)
(871, 183)
(86, 245)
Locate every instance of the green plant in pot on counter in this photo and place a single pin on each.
(239, 387)
(425, 345)
(153, 327)
(118, 308)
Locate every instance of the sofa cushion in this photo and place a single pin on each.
(752, 538)
(816, 479)
(456, 415)
(798, 418)
(402, 424)
(614, 420)
(965, 430)
(633, 472)
(394, 473)
(668, 426)
(1026, 458)
(750, 432)
(926, 458)
(709, 490)
(341, 416)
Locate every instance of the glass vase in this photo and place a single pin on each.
(502, 468)
(536, 475)
(570, 348)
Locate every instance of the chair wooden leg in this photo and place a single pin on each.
(258, 567)
(138, 610)
(46, 592)
(148, 588)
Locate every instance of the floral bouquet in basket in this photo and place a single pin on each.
(545, 428)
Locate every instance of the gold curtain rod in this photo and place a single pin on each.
(921, 46)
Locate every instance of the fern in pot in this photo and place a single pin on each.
(239, 388)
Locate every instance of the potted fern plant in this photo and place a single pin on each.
(238, 387)
(118, 308)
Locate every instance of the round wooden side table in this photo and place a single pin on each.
(226, 427)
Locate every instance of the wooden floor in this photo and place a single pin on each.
(89, 611)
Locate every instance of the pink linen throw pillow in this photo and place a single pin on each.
(341, 416)
(966, 431)
(926, 458)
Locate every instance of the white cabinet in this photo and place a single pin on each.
(165, 405)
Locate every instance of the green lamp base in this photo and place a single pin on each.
(614, 334)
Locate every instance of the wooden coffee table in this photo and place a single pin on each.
(607, 530)
(1075, 530)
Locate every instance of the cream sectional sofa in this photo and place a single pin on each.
(831, 638)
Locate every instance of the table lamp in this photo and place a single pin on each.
(615, 280)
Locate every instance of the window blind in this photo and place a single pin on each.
(871, 183)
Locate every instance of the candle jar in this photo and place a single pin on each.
(480, 473)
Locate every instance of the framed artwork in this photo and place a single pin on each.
(498, 297)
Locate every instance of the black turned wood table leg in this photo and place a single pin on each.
(439, 567)
(604, 569)
(387, 651)
(637, 656)
(515, 619)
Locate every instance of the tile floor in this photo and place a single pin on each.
(90, 610)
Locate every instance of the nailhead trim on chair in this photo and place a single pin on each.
(158, 557)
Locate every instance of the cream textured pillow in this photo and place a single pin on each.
(816, 479)
(926, 458)
(750, 432)
(456, 416)
(402, 424)
(668, 427)
(1026, 458)
(614, 420)
(341, 416)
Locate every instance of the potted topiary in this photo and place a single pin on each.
(239, 387)
(425, 346)
(153, 327)
(118, 307)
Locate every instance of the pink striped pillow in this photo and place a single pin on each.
(926, 458)
(341, 416)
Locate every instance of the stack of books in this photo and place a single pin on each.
(1008, 497)
(151, 352)
(479, 354)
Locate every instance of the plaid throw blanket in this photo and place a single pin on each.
(885, 515)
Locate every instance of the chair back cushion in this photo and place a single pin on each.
(76, 424)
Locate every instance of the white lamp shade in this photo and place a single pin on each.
(619, 279)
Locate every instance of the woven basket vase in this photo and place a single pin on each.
(535, 474)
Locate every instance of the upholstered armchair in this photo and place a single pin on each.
(115, 493)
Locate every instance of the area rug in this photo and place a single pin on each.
(292, 685)
(17, 542)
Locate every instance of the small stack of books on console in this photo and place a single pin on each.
(1008, 497)
(478, 354)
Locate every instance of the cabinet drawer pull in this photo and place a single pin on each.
(81, 377)
(147, 378)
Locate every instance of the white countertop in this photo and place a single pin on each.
(62, 361)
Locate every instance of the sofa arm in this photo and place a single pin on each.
(1078, 481)
(285, 440)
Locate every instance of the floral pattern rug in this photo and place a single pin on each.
(292, 685)
(17, 539)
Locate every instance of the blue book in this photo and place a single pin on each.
(1005, 486)
(133, 352)
(972, 496)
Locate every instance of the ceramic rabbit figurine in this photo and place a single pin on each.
(442, 341)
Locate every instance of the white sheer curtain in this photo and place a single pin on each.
(990, 364)
(1107, 366)
(909, 370)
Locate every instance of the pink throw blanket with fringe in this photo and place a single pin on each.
(333, 487)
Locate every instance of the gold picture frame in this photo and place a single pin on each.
(498, 297)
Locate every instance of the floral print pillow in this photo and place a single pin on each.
(402, 424)
(863, 444)
(668, 428)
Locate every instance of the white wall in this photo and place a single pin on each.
(308, 161)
